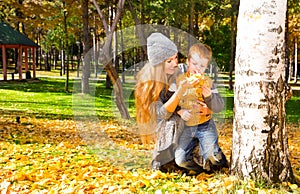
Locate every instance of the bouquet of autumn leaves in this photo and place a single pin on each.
(194, 95)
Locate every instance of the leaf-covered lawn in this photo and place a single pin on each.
(53, 150)
(56, 156)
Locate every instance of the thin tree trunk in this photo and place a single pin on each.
(86, 46)
(260, 140)
(234, 4)
(62, 61)
(67, 49)
(118, 90)
(116, 59)
(94, 52)
(139, 30)
(287, 51)
(54, 59)
(122, 52)
(296, 60)
(191, 21)
(109, 48)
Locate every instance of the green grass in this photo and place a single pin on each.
(46, 98)
(293, 110)
(39, 98)
(292, 107)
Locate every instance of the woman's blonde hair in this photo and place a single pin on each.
(151, 80)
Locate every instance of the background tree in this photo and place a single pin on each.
(233, 21)
(139, 21)
(211, 23)
(260, 142)
(86, 47)
(293, 38)
(43, 22)
(106, 57)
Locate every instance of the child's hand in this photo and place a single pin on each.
(202, 107)
(185, 114)
(206, 92)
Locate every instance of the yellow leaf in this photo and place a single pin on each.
(228, 184)
(240, 191)
(4, 186)
(263, 191)
(251, 184)
(293, 186)
(158, 191)
(21, 176)
(203, 176)
(156, 174)
(284, 184)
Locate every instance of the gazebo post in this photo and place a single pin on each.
(4, 63)
(33, 62)
(26, 59)
(27, 72)
(20, 62)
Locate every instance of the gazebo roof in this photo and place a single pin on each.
(13, 38)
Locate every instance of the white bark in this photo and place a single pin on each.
(259, 121)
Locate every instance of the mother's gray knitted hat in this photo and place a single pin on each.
(159, 48)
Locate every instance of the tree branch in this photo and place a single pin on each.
(138, 27)
(118, 14)
(102, 17)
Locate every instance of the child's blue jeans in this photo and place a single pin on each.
(207, 135)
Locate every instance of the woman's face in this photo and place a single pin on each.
(171, 64)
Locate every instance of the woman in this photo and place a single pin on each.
(157, 98)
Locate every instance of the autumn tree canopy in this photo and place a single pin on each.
(208, 21)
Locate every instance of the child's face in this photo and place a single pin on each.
(197, 64)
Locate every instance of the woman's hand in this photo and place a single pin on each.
(182, 87)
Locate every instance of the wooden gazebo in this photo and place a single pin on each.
(10, 38)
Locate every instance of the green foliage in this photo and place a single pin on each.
(218, 38)
(43, 21)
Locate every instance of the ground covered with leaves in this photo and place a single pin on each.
(60, 156)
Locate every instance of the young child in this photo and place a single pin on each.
(197, 107)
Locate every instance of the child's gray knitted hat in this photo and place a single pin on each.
(159, 48)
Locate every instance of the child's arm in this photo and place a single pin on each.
(213, 99)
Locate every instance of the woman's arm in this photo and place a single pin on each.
(172, 103)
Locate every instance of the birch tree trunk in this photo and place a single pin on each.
(260, 142)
